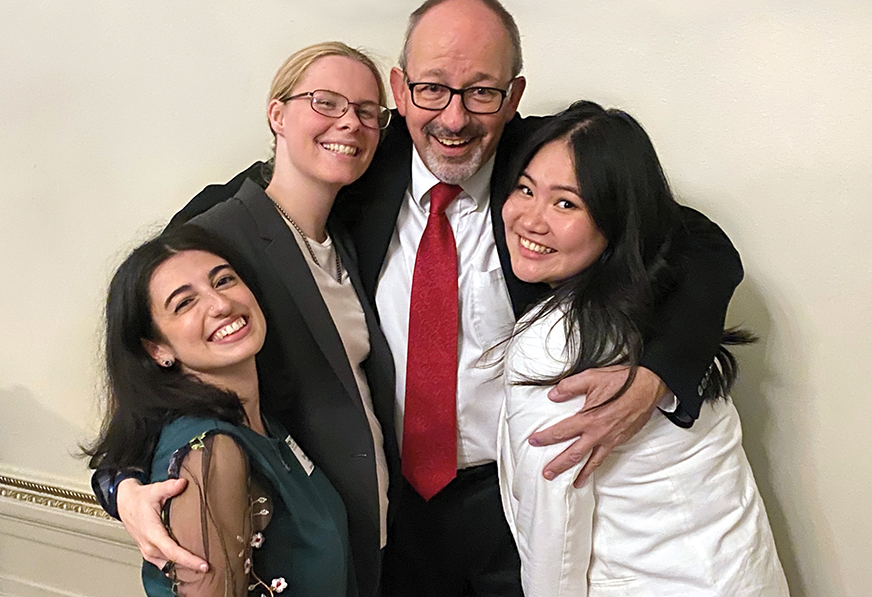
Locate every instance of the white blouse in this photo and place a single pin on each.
(551, 520)
(348, 317)
(672, 511)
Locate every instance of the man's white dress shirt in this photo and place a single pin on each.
(485, 309)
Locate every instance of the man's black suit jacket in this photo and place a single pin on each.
(305, 378)
(688, 325)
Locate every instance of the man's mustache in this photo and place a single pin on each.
(472, 129)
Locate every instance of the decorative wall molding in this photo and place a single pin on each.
(57, 542)
(51, 496)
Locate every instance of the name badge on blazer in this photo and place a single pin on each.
(304, 461)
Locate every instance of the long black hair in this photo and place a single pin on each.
(610, 305)
(141, 396)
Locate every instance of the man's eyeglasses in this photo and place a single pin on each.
(478, 100)
(335, 105)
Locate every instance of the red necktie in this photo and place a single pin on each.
(430, 420)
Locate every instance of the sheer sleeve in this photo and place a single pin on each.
(212, 517)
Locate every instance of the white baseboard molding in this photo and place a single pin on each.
(57, 542)
(11, 586)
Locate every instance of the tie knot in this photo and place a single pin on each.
(441, 196)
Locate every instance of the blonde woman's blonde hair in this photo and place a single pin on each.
(293, 69)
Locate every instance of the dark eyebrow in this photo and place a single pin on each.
(560, 187)
(176, 292)
(212, 273)
(215, 270)
(476, 80)
(572, 190)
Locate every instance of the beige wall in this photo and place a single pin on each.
(112, 114)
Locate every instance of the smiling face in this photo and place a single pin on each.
(549, 231)
(207, 318)
(459, 44)
(313, 149)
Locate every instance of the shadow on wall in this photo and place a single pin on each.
(758, 395)
(36, 440)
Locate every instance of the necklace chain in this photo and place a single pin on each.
(308, 244)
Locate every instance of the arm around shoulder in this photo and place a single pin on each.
(212, 517)
(689, 323)
(214, 194)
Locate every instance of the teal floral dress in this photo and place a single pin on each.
(267, 521)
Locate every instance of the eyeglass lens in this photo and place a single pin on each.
(335, 105)
(479, 100)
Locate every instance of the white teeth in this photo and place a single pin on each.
(536, 248)
(453, 142)
(340, 148)
(229, 329)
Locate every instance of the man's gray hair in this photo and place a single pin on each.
(495, 6)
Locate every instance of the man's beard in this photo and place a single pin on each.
(451, 170)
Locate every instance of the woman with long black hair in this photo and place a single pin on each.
(673, 511)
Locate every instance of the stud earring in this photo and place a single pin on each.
(168, 363)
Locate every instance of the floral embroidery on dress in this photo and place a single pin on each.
(178, 457)
(198, 442)
(279, 584)
(257, 540)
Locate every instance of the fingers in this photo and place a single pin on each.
(133, 498)
(167, 549)
(597, 384)
(570, 427)
(166, 489)
(599, 429)
(157, 546)
(571, 387)
(577, 452)
(592, 423)
(139, 507)
(597, 457)
(153, 555)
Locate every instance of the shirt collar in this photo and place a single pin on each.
(476, 187)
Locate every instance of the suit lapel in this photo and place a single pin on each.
(522, 294)
(369, 207)
(293, 270)
(378, 346)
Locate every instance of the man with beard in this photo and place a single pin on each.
(457, 89)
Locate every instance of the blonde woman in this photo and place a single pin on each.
(325, 370)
